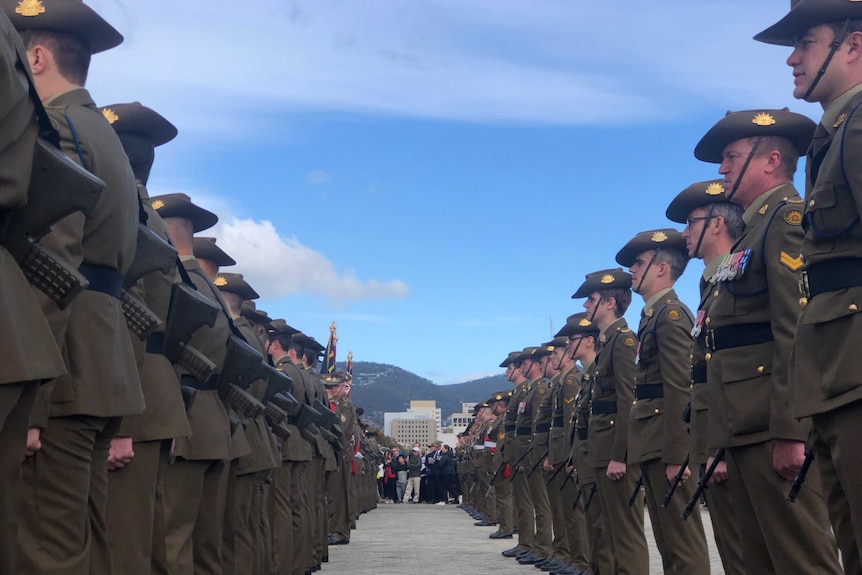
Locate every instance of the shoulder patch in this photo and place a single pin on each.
(629, 341)
(501, 435)
(541, 391)
(793, 264)
(793, 217)
(673, 315)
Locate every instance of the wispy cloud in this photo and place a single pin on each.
(318, 177)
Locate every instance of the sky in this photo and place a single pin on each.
(437, 176)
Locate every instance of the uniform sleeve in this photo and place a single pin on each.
(625, 374)
(674, 343)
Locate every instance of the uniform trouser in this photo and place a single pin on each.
(63, 498)
(574, 521)
(625, 524)
(503, 495)
(231, 519)
(339, 511)
(412, 491)
(603, 561)
(525, 519)
(777, 536)
(836, 453)
(682, 544)
(16, 402)
(131, 510)
(316, 479)
(251, 541)
(724, 526)
(544, 540)
(281, 518)
(489, 503)
(300, 517)
(561, 548)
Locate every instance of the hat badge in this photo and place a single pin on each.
(763, 119)
(584, 322)
(157, 204)
(110, 115)
(220, 281)
(30, 8)
(607, 279)
(659, 237)
(714, 189)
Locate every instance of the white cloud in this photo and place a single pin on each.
(472, 376)
(318, 177)
(279, 266)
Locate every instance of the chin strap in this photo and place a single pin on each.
(839, 39)
(649, 265)
(710, 215)
(744, 168)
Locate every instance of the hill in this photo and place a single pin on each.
(379, 387)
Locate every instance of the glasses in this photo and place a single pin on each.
(690, 220)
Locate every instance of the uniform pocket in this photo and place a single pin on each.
(745, 372)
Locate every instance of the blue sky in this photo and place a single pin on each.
(436, 176)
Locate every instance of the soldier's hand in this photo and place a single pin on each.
(671, 471)
(616, 470)
(33, 443)
(547, 466)
(720, 473)
(121, 453)
(571, 470)
(787, 457)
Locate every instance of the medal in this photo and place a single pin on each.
(698, 324)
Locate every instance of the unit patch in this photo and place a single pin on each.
(793, 217)
(629, 341)
(673, 315)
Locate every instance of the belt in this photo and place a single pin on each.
(156, 343)
(583, 433)
(103, 279)
(603, 407)
(698, 373)
(522, 431)
(208, 385)
(509, 428)
(831, 275)
(649, 391)
(558, 421)
(543, 427)
(738, 336)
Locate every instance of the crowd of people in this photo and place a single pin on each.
(421, 475)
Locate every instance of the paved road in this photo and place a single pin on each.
(441, 540)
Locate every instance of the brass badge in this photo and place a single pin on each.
(629, 341)
(790, 262)
(659, 237)
(793, 217)
(30, 8)
(763, 210)
(501, 435)
(607, 279)
(157, 204)
(763, 119)
(714, 189)
(673, 315)
(842, 117)
(569, 400)
(110, 115)
(220, 281)
(343, 419)
(541, 391)
(649, 312)
(585, 322)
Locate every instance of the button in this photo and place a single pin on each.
(803, 301)
(612, 422)
(811, 204)
(760, 369)
(715, 293)
(853, 307)
(691, 387)
(635, 402)
(708, 356)
(707, 321)
(656, 410)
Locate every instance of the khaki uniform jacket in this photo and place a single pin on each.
(295, 448)
(544, 417)
(510, 450)
(581, 456)
(827, 360)
(656, 428)
(346, 412)
(103, 375)
(612, 383)
(29, 351)
(489, 441)
(208, 417)
(323, 446)
(525, 424)
(498, 436)
(698, 427)
(165, 415)
(560, 436)
(749, 401)
(477, 449)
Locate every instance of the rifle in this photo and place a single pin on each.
(243, 366)
(539, 462)
(329, 420)
(188, 311)
(58, 188)
(637, 490)
(494, 479)
(577, 498)
(800, 477)
(153, 254)
(555, 473)
(702, 483)
(676, 481)
(520, 459)
(589, 500)
(275, 398)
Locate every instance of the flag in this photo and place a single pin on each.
(328, 363)
(349, 370)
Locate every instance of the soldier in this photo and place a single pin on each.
(133, 483)
(193, 500)
(748, 331)
(612, 379)
(78, 414)
(487, 506)
(338, 488)
(826, 383)
(712, 226)
(658, 435)
(494, 463)
(31, 356)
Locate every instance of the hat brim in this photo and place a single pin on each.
(739, 125)
(806, 15)
(135, 118)
(73, 18)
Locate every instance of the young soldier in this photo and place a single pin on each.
(826, 384)
(712, 226)
(612, 378)
(748, 331)
(658, 435)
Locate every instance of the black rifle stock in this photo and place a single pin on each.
(703, 482)
(243, 366)
(152, 254)
(577, 498)
(799, 480)
(677, 479)
(555, 473)
(520, 459)
(633, 499)
(188, 312)
(589, 500)
(494, 479)
(538, 463)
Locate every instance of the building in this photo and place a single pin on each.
(430, 408)
(406, 432)
(461, 420)
(389, 417)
